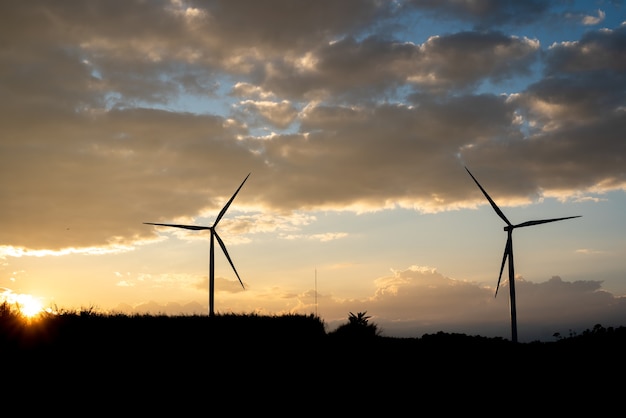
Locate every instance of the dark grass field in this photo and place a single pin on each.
(144, 364)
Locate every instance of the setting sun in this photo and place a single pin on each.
(28, 305)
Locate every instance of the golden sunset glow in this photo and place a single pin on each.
(128, 128)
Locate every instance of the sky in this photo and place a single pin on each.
(355, 121)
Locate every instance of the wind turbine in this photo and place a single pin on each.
(508, 252)
(214, 235)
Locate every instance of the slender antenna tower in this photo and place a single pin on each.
(316, 292)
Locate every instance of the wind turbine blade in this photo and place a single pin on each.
(219, 240)
(506, 253)
(493, 204)
(194, 227)
(543, 221)
(225, 208)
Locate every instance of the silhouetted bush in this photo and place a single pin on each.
(358, 327)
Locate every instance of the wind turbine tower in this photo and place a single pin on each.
(214, 236)
(508, 252)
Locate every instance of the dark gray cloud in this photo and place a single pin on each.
(597, 51)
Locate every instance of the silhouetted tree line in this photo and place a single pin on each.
(88, 331)
(153, 361)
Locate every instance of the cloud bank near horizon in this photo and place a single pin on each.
(420, 300)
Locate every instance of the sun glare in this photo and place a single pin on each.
(28, 306)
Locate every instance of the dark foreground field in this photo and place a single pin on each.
(148, 364)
